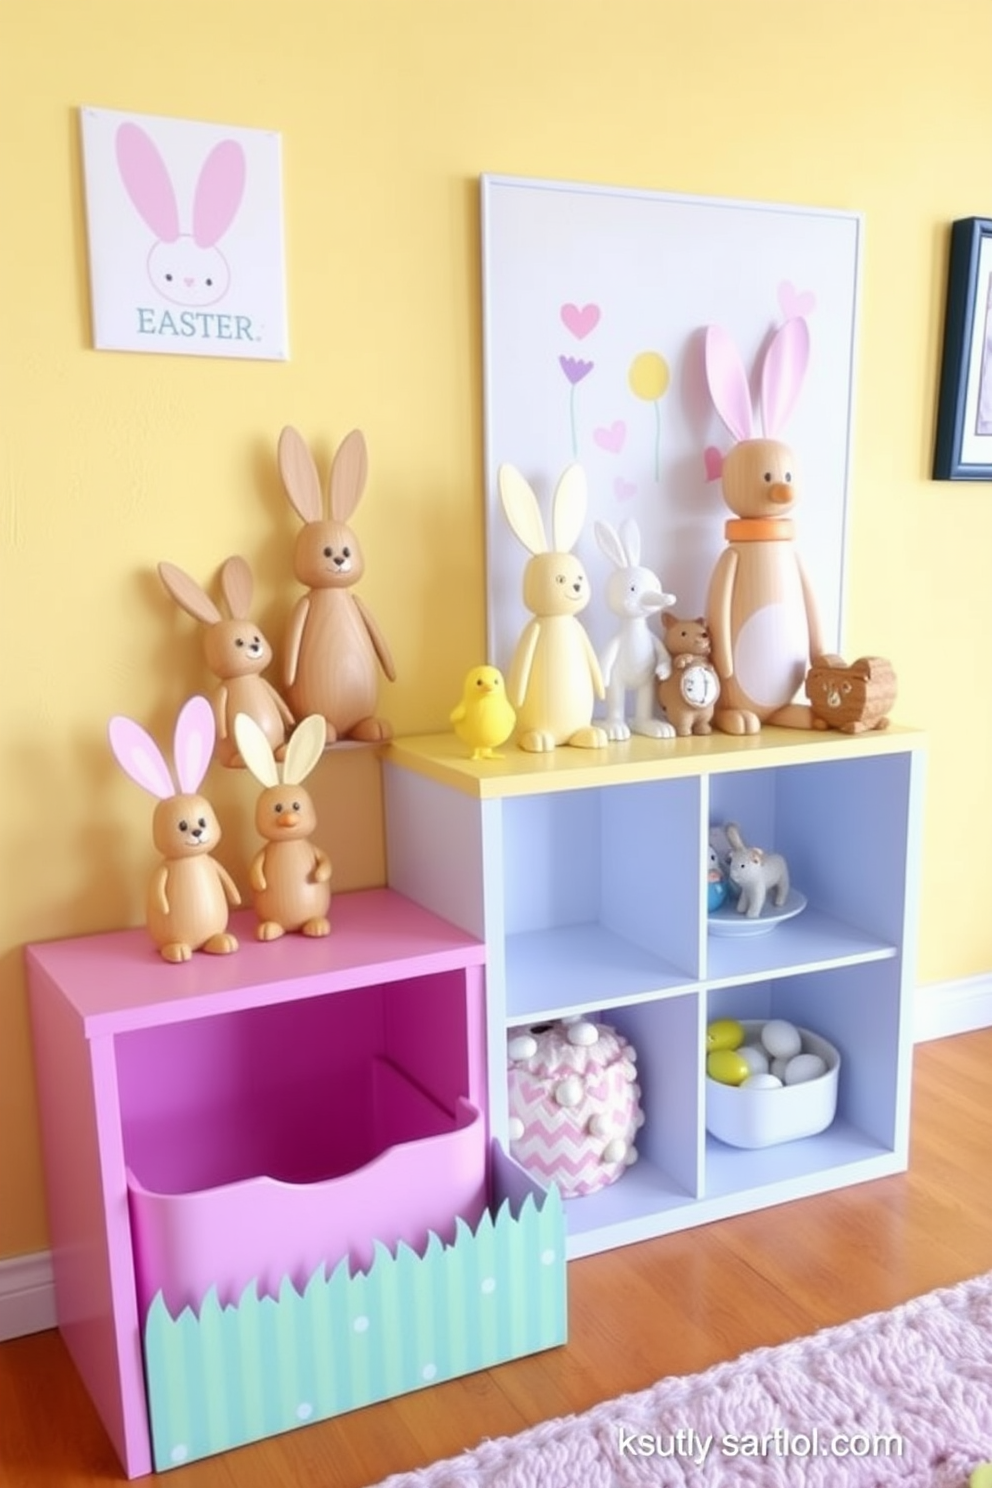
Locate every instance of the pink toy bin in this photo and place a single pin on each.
(264, 1143)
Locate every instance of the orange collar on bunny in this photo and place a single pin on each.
(760, 529)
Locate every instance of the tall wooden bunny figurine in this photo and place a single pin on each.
(189, 892)
(761, 610)
(333, 647)
(290, 878)
(236, 652)
(555, 676)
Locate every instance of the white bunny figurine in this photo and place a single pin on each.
(236, 652)
(290, 878)
(762, 614)
(555, 677)
(634, 657)
(187, 268)
(189, 892)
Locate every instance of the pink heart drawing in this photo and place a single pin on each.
(612, 438)
(712, 462)
(580, 321)
(623, 490)
(794, 303)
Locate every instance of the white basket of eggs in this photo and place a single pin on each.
(768, 1081)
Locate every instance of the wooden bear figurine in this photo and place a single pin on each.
(689, 693)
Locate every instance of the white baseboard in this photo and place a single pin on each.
(945, 1008)
(27, 1295)
(27, 1286)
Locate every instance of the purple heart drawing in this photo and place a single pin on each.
(580, 320)
(611, 439)
(623, 490)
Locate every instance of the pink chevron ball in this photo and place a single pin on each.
(575, 1104)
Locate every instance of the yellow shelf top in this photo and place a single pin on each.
(444, 758)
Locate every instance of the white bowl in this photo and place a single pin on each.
(761, 1118)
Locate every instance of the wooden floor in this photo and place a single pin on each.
(669, 1306)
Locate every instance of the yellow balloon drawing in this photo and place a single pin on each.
(648, 378)
(648, 375)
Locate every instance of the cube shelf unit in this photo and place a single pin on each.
(584, 874)
(280, 1154)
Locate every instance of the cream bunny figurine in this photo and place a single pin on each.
(555, 676)
(189, 892)
(236, 652)
(334, 648)
(635, 656)
(761, 610)
(290, 878)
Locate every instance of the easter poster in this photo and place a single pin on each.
(184, 222)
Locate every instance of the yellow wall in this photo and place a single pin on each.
(388, 111)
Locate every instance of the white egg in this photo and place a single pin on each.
(523, 1046)
(805, 1067)
(582, 1033)
(569, 1092)
(763, 1080)
(756, 1059)
(781, 1039)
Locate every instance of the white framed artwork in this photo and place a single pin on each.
(185, 230)
(596, 301)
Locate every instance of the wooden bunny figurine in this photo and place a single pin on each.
(635, 656)
(290, 878)
(762, 613)
(189, 893)
(333, 647)
(555, 677)
(236, 652)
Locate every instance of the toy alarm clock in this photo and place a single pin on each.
(690, 691)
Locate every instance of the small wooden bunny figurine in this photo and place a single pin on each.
(189, 893)
(555, 676)
(761, 610)
(635, 656)
(334, 648)
(290, 878)
(236, 652)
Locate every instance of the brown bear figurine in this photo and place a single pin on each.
(690, 691)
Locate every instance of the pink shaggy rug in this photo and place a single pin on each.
(900, 1397)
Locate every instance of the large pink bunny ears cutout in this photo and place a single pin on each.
(216, 200)
(140, 757)
(782, 374)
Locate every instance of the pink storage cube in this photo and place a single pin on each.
(574, 1103)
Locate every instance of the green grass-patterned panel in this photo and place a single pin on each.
(223, 1376)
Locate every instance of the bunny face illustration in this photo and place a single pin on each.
(186, 268)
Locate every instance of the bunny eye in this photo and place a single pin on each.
(278, 808)
(788, 477)
(184, 825)
(209, 283)
(328, 551)
(346, 552)
(239, 642)
(296, 805)
(768, 477)
(559, 578)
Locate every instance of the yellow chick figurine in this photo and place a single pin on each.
(485, 716)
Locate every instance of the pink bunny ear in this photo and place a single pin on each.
(782, 374)
(194, 743)
(147, 181)
(218, 192)
(727, 382)
(140, 757)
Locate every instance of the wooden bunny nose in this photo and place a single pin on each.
(781, 494)
(288, 819)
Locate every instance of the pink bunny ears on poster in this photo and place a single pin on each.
(782, 374)
(219, 187)
(140, 757)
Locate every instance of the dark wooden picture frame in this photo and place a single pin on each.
(963, 445)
